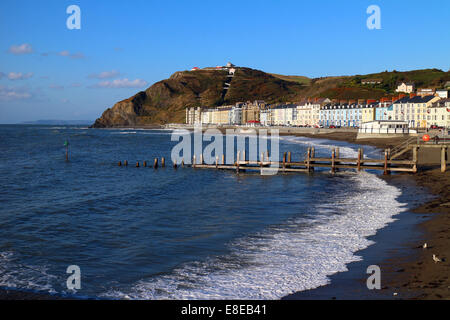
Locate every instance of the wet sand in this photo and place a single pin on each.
(423, 278)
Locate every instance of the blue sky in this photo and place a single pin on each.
(50, 72)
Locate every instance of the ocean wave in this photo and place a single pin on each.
(297, 256)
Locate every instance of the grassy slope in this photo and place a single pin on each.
(300, 79)
(347, 87)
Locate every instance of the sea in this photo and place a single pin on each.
(185, 233)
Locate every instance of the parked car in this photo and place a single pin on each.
(332, 127)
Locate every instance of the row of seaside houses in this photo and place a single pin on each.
(417, 111)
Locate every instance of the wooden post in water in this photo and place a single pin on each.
(443, 159)
(362, 157)
(125, 163)
(336, 156)
(284, 161)
(182, 162)
(312, 154)
(201, 159)
(145, 164)
(415, 158)
(163, 162)
(193, 161)
(237, 161)
(217, 162)
(120, 163)
(359, 160)
(386, 172)
(155, 163)
(308, 159)
(137, 164)
(333, 155)
(223, 159)
(289, 157)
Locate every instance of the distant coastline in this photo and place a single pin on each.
(58, 122)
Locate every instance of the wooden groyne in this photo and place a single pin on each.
(310, 162)
(307, 165)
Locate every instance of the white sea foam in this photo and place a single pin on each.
(287, 259)
(14, 274)
(142, 131)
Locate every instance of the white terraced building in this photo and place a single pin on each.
(308, 112)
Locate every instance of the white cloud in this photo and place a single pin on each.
(56, 87)
(64, 53)
(9, 93)
(24, 48)
(122, 83)
(105, 75)
(19, 75)
(77, 55)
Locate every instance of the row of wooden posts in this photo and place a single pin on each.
(335, 162)
(144, 164)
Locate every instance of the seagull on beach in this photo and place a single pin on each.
(425, 245)
(436, 259)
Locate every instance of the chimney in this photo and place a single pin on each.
(370, 101)
(412, 95)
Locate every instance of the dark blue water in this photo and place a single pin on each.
(185, 233)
